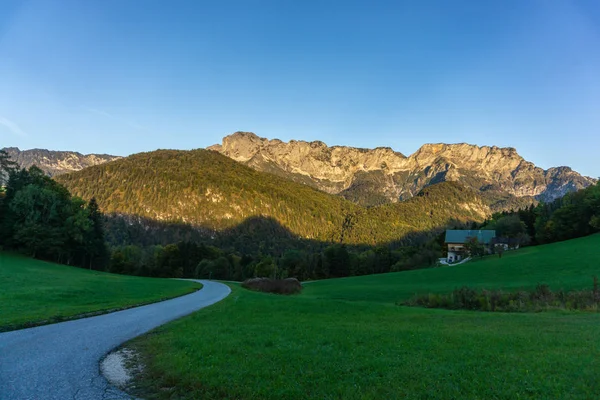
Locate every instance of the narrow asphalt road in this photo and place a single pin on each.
(61, 361)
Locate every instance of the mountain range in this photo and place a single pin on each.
(381, 175)
(55, 163)
(369, 177)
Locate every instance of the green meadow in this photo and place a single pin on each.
(566, 265)
(34, 292)
(348, 339)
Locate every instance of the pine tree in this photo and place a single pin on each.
(95, 243)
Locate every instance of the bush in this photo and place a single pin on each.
(540, 299)
(277, 286)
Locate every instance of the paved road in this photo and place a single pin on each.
(61, 361)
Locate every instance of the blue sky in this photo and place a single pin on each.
(124, 76)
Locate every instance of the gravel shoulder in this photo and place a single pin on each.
(61, 361)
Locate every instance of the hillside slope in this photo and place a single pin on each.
(214, 193)
(34, 292)
(374, 176)
(344, 338)
(568, 265)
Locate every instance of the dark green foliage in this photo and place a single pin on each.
(474, 247)
(176, 260)
(337, 261)
(95, 242)
(539, 299)
(574, 215)
(509, 226)
(265, 268)
(276, 286)
(304, 260)
(41, 219)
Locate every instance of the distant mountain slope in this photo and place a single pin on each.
(56, 163)
(215, 193)
(381, 175)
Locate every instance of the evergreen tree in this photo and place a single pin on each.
(95, 243)
(40, 218)
(337, 260)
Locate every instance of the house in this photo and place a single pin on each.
(507, 243)
(456, 239)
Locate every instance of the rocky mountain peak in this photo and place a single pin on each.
(308, 162)
(464, 149)
(56, 163)
(382, 174)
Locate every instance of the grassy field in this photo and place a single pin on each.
(346, 339)
(34, 292)
(566, 265)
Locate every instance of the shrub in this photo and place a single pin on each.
(540, 299)
(277, 286)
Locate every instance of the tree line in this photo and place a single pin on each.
(574, 215)
(40, 218)
(199, 260)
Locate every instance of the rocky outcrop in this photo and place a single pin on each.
(330, 169)
(56, 163)
(373, 176)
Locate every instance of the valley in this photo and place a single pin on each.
(200, 214)
(289, 200)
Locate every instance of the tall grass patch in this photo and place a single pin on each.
(542, 298)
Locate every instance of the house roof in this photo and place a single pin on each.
(461, 236)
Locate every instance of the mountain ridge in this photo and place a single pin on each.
(55, 163)
(374, 176)
(369, 176)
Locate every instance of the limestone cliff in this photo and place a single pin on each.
(56, 163)
(375, 176)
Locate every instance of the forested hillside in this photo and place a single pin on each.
(213, 193)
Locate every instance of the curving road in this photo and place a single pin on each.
(61, 361)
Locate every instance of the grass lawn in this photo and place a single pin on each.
(346, 339)
(34, 292)
(566, 265)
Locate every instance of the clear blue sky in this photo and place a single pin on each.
(123, 76)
